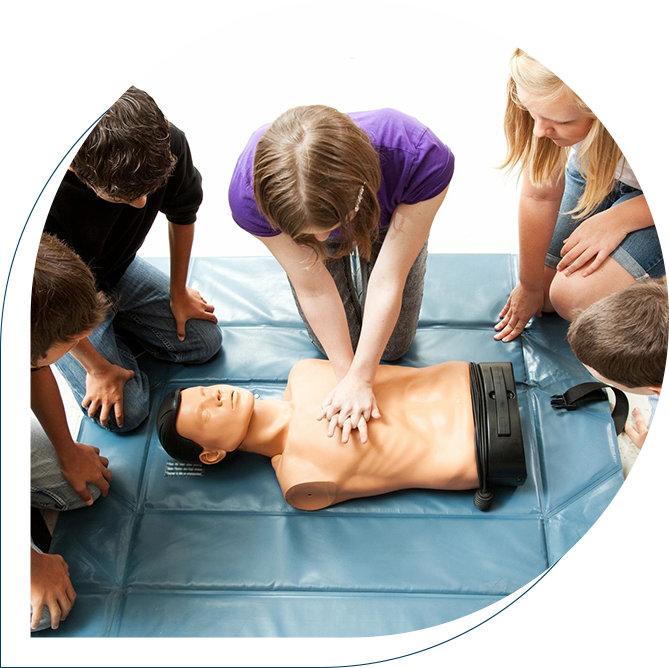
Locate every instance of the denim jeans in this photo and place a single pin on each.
(351, 276)
(140, 309)
(48, 487)
(639, 253)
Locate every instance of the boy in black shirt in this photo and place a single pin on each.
(132, 165)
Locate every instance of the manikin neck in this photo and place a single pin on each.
(268, 428)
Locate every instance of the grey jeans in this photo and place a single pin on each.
(48, 487)
(351, 276)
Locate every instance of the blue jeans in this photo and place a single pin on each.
(48, 487)
(639, 253)
(140, 309)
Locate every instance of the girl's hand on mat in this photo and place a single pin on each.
(637, 431)
(83, 465)
(104, 391)
(592, 241)
(351, 400)
(187, 304)
(50, 585)
(521, 305)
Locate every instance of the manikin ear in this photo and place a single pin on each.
(212, 457)
(655, 390)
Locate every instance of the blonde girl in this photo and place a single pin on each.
(585, 229)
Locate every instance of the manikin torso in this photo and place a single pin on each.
(424, 438)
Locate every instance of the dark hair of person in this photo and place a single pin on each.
(127, 154)
(65, 300)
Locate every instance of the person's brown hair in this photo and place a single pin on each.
(624, 335)
(311, 169)
(65, 301)
(127, 154)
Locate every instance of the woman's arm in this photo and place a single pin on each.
(407, 234)
(537, 214)
(318, 297)
(353, 397)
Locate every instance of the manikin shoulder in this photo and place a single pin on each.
(312, 495)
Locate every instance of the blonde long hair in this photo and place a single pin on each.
(312, 168)
(599, 154)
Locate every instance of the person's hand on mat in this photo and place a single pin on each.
(50, 585)
(104, 391)
(350, 405)
(83, 464)
(521, 305)
(187, 304)
(637, 431)
(592, 241)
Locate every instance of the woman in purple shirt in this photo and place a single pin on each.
(345, 203)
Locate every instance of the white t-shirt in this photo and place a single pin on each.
(652, 175)
(647, 175)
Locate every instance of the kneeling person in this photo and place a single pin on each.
(64, 474)
(133, 165)
(435, 432)
(622, 341)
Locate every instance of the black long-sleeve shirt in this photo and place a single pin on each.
(107, 236)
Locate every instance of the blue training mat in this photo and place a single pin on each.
(218, 552)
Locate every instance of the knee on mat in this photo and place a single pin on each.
(206, 338)
(135, 410)
(134, 413)
(59, 496)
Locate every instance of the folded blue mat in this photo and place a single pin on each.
(173, 551)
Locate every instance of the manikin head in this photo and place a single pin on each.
(127, 155)
(622, 338)
(204, 423)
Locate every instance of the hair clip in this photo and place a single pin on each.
(357, 204)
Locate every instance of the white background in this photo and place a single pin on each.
(352, 56)
(444, 63)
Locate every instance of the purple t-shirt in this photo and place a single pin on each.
(415, 166)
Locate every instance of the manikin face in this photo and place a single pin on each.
(560, 120)
(215, 417)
